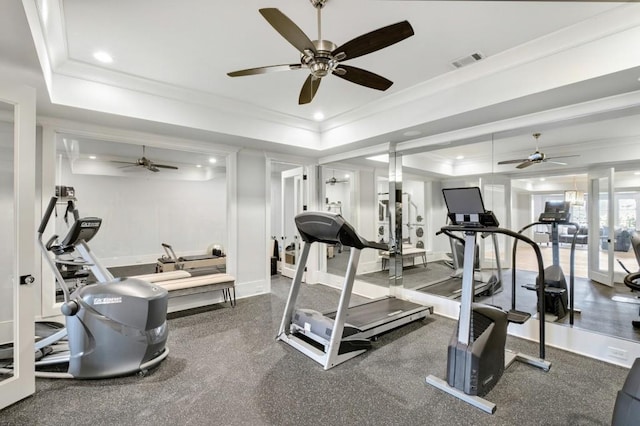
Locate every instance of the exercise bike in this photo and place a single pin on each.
(632, 279)
(112, 328)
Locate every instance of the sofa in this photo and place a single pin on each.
(582, 236)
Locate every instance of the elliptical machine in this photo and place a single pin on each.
(113, 328)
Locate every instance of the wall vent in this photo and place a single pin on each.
(466, 60)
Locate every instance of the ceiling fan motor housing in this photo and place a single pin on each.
(320, 63)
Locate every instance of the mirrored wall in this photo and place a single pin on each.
(155, 202)
(520, 177)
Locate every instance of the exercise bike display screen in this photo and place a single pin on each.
(556, 211)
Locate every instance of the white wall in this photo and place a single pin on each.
(140, 212)
(521, 213)
(252, 257)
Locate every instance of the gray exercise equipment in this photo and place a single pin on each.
(335, 337)
(476, 353)
(627, 409)
(486, 284)
(113, 328)
(558, 297)
(632, 279)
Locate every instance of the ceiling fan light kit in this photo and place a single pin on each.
(323, 57)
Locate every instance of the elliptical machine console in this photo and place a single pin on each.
(114, 327)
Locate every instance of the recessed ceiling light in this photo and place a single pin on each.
(346, 176)
(412, 133)
(198, 165)
(103, 57)
(460, 157)
(92, 157)
(318, 116)
(542, 179)
(212, 160)
(636, 173)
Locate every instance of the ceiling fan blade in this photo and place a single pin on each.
(264, 70)
(524, 164)
(164, 166)
(556, 162)
(309, 89)
(375, 40)
(364, 77)
(512, 161)
(130, 163)
(562, 156)
(153, 169)
(288, 29)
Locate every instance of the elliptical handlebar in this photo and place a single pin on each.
(47, 215)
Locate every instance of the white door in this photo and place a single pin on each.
(17, 254)
(601, 226)
(293, 202)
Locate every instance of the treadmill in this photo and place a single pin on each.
(335, 337)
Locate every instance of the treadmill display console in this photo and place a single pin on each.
(556, 211)
(465, 207)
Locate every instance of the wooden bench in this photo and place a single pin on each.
(409, 252)
(181, 283)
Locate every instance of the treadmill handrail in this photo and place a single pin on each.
(517, 236)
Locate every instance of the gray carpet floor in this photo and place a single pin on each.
(225, 368)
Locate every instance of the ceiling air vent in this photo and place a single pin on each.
(466, 60)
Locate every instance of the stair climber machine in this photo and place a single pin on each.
(113, 328)
(476, 357)
(335, 337)
(558, 297)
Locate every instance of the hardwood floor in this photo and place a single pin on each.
(526, 259)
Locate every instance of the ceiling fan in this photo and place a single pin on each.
(333, 180)
(322, 57)
(536, 157)
(146, 163)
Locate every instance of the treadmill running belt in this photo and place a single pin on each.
(370, 314)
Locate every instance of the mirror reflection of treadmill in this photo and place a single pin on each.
(334, 337)
(469, 206)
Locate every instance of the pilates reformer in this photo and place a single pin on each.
(171, 262)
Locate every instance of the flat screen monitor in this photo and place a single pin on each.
(463, 200)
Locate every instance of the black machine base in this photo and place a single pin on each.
(476, 367)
